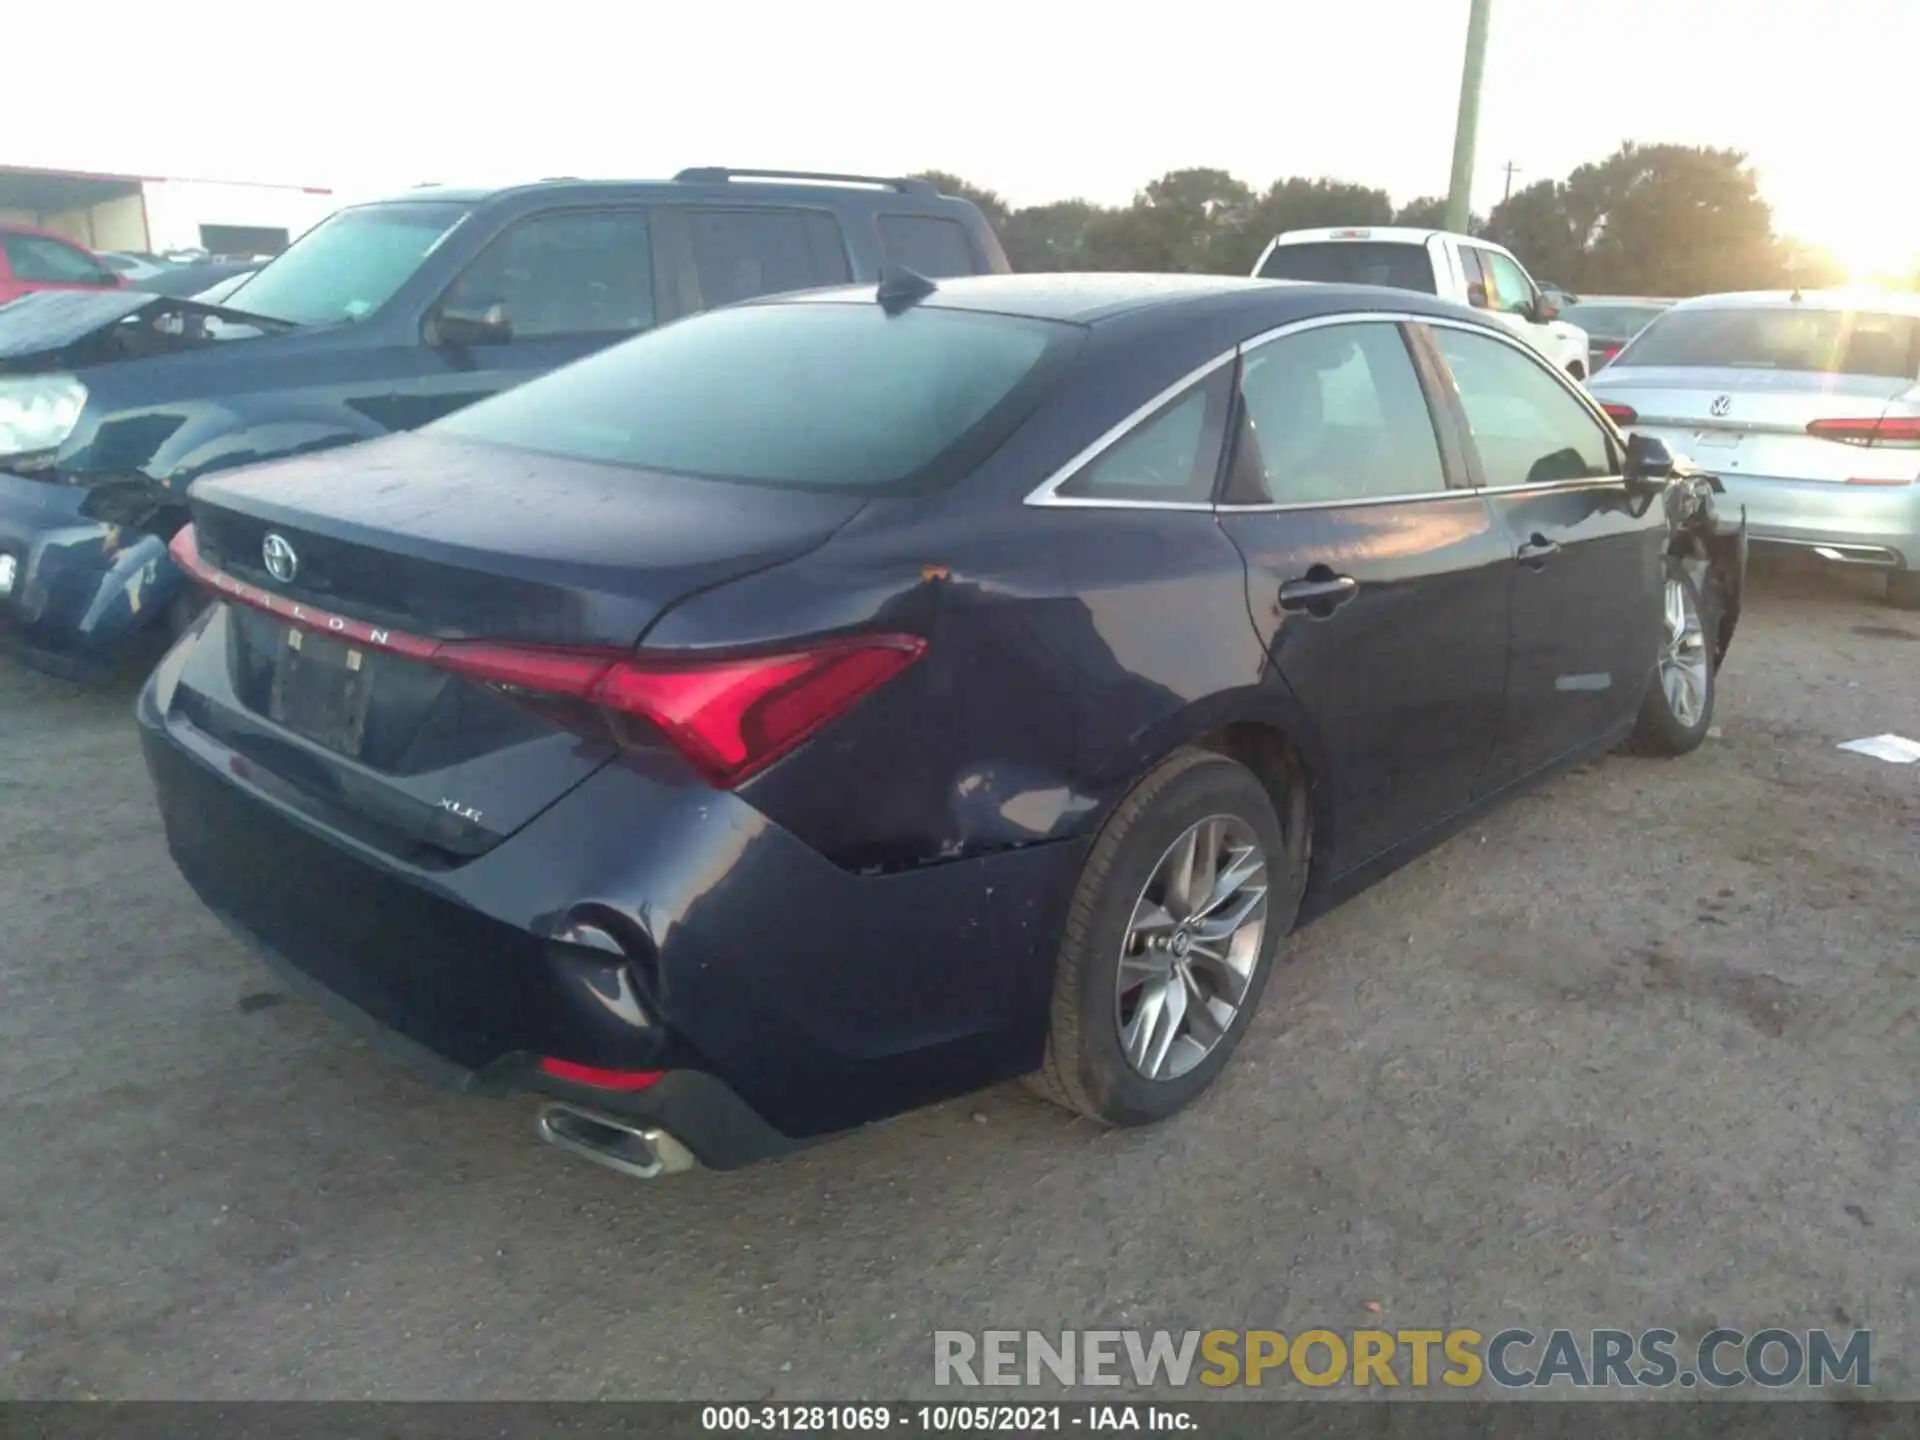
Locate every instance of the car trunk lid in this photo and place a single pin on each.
(1780, 424)
(353, 595)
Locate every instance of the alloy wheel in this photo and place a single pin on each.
(1683, 657)
(1190, 950)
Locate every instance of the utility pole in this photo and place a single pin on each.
(1460, 193)
(1512, 170)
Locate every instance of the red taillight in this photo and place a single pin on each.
(600, 1079)
(733, 717)
(1880, 430)
(1862, 480)
(549, 670)
(729, 717)
(1621, 414)
(1608, 353)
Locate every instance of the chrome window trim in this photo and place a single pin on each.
(1549, 487)
(1045, 494)
(1277, 506)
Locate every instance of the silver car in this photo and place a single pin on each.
(1807, 406)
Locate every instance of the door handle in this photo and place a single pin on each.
(1537, 551)
(1320, 593)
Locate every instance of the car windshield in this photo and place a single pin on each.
(349, 265)
(1611, 319)
(825, 395)
(1353, 262)
(1830, 342)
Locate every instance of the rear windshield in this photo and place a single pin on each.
(1353, 262)
(1832, 342)
(1614, 320)
(348, 265)
(823, 395)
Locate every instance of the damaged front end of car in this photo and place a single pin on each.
(1707, 540)
(83, 545)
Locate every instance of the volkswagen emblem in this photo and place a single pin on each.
(280, 560)
(1721, 404)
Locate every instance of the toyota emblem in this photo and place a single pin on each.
(280, 560)
(1721, 404)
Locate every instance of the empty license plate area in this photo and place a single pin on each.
(320, 689)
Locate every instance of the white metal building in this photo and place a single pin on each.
(156, 213)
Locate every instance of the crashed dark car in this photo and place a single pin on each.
(380, 319)
(832, 704)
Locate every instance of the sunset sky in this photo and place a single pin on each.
(1039, 100)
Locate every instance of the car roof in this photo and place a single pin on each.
(1892, 302)
(704, 183)
(1092, 298)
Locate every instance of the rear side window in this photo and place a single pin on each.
(1337, 414)
(1830, 342)
(1353, 262)
(1526, 426)
(820, 395)
(570, 273)
(1171, 456)
(927, 244)
(41, 261)
(741, 254)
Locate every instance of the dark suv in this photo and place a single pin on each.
(381, 318)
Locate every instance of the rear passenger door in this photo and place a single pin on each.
(1377, 580)
(568, 283)
(1585, 569)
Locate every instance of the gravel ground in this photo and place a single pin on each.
(1640, 1049)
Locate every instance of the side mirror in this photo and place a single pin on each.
(459, 326)
(1476, 294)
(1649, 464)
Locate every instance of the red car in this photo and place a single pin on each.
(39, 260)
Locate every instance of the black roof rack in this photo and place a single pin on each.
(720, 174)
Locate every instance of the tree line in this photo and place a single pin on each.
(1671, 220)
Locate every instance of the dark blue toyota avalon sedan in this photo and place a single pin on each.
(830, 704)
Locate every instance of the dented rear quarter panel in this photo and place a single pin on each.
(1054, 677)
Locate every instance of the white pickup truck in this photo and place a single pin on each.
(1456, 267)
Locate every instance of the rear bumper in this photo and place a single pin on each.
(83, 588)
(1879, 524)
(721, 1129)
(821, 1000)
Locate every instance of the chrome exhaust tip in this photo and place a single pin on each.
(640, 1151)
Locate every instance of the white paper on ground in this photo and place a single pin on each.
(1897, 748)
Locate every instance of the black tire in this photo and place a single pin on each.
(1659, 731)
(1577, 371)
(1903, 589)
(1086, 1069)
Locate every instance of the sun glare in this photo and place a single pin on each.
(1886, 247)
